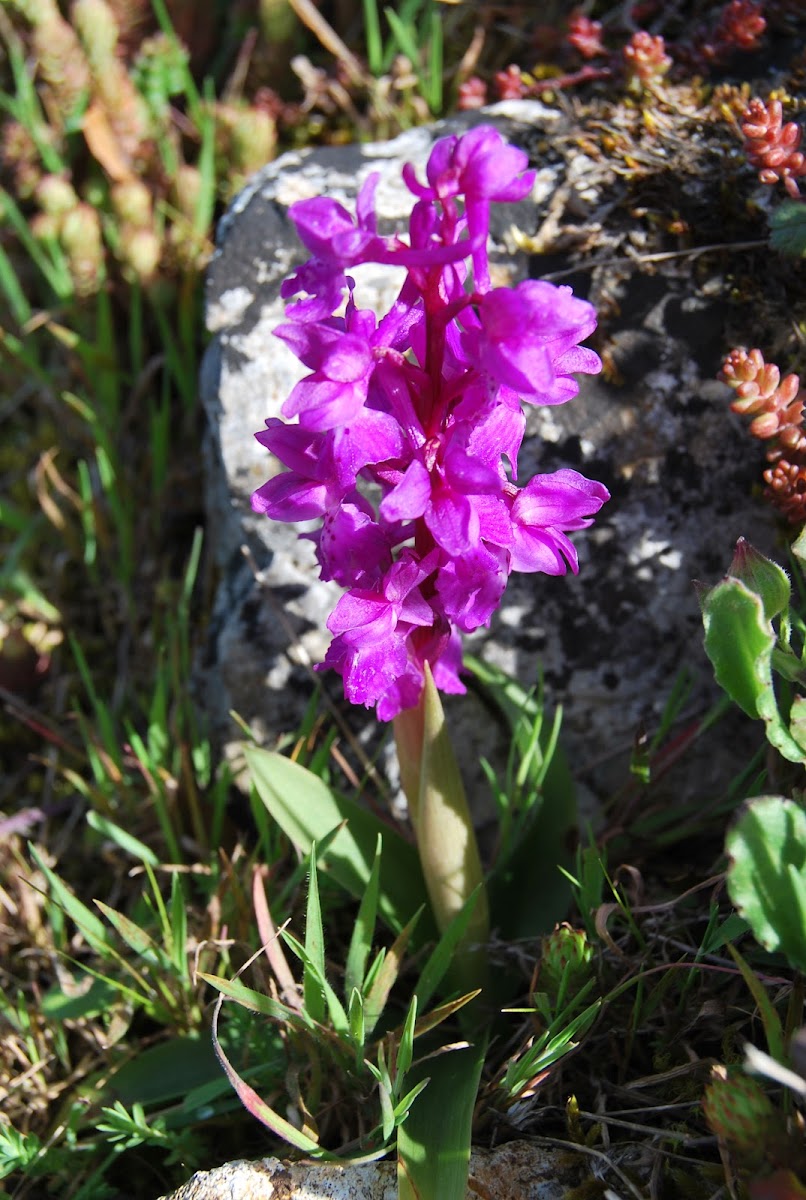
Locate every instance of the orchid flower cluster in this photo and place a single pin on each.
(409, 427)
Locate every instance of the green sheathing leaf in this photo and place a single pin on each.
(445, 835)
(433, 1145)
(767, 874)
(307, 811)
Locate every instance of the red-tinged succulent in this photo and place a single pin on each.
(772, 146)
(645, 58)
(585, 35)
(776, 406)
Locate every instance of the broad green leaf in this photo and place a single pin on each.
(767, 874)
(433, 1144)
(777, 730)
(788, 229)
(797, 721)
(739, 640)
(165, 1072)
(306, 810)
(98, 997)
(799, 547)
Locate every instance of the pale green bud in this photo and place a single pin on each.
(565, 952)
(131, 203)
(81, 239)
(141, 250)
(55, 195)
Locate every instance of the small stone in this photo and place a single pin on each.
(515, 1171)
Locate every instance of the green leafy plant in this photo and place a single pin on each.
(755, 640)
(363, 1038)
(766, 849)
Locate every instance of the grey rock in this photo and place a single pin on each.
(680, 468)
(515, 1171)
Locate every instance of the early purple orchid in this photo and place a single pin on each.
(424, 408)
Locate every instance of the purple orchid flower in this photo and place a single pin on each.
(409, 428)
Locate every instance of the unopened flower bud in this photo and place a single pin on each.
(81, 239)
(141, 250)
(762, 576)
(252, 140)
(131, 203)
(739, 1112)
(45, 226)
(186, 190)
(55, 195)
(565, 952)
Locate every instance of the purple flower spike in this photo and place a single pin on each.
(409, 429)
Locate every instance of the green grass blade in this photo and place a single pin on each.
(121, 837)
(91, 927)
(405, 1051)
(364, 929)
(103, 716)
(136, 938)
(319, 984)
(372, 37)
(441, 956)
(179, 927)
(314, 968)
(384, 979)
(433, 90)
(406, 14)
(9, 283)
(55, 274)
(256, 1002)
